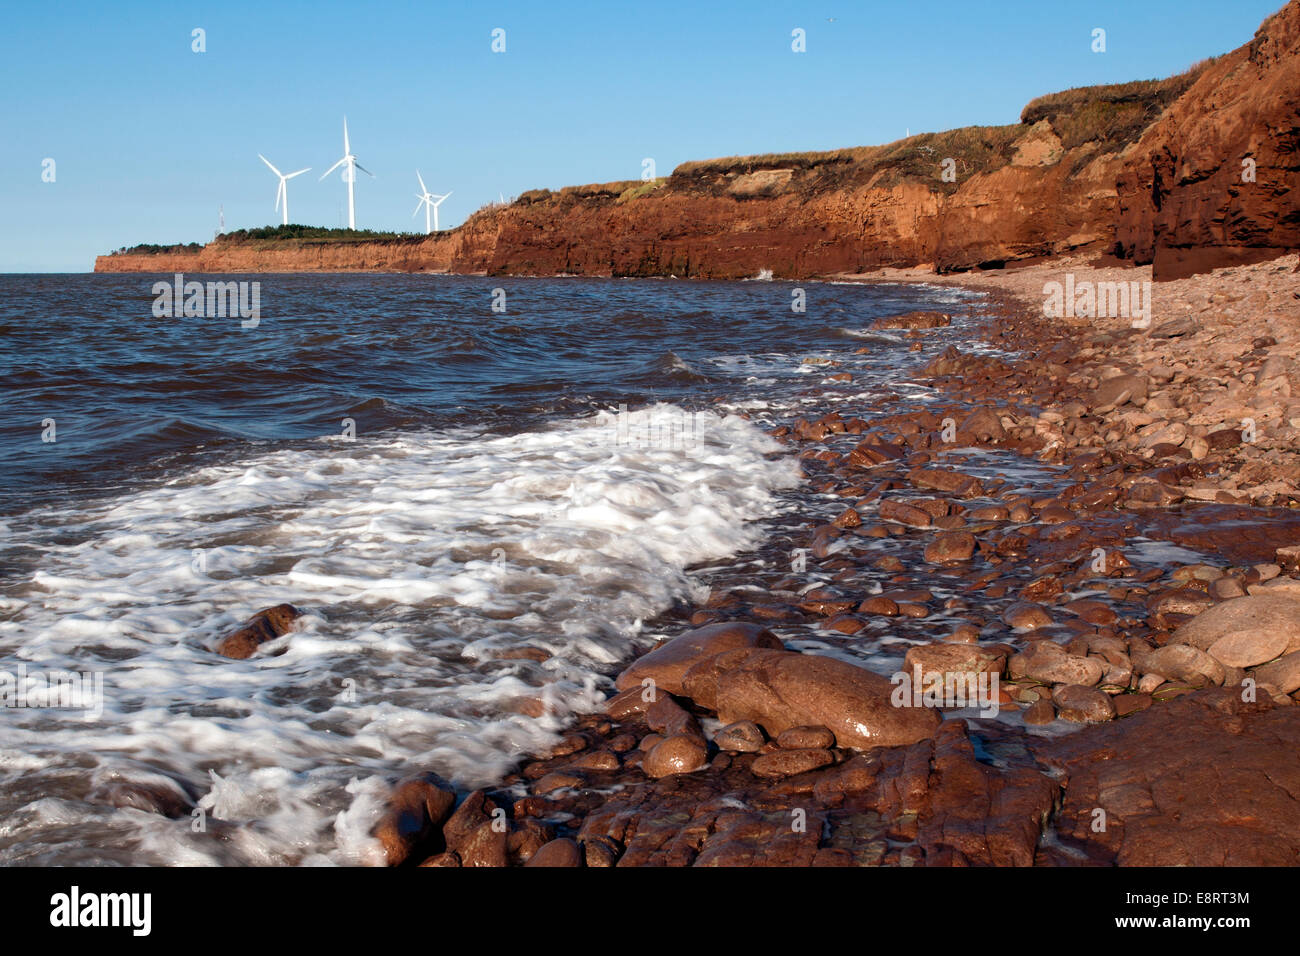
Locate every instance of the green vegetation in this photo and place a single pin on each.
(1115, 114)
(152, 249)
(312, 233)
(635, 189)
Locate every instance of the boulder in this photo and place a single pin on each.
(779, 690)
(668, 663)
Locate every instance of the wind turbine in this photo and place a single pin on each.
(349, 174)
(282, 193)
(427, 201)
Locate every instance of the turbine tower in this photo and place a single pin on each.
(281, 193)
(427, 201)
(350, 164)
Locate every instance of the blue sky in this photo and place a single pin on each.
(149, 138)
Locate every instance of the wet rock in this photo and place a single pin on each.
(1246, 649)
(879, 605)
(950, 547)
(264, 626)
(562, 852)
(674, 755)
(1026, 616)
(904, 514)
(1213, 799)
(788, 763)
(1048, 662)
(778, 690)
(478, 832)
(417, 808)
(668, 663)
(1084, 705)
(924, 660)
(1038, 713)
(805, 738)
(743, 736)
(914, 320)
(982, 425)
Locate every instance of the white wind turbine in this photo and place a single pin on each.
(282, 193)
(349, 174)
(427, 201)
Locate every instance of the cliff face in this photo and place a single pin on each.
(1151, 170)
(1187, 199)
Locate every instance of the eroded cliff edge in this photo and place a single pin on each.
(1154, 171)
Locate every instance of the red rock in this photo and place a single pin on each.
(562, 852)
(264, 626)
(668, 663)
(1083, 704)
(674, 755)
(789, 763)
(778, 690)
(950, 547)
(1256, 624)
(805, 738)
(744, 736)
(416, 809)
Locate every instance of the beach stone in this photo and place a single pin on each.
(1083, 705)
(477, 833)
(788, 763)
(1027, 616)
(1248, 648)
(879, 605)
(1282, 674)
(700, 683)
(674, 755)
(779, 689)
(416, 809)
(1050, 663)
(950, 547)
(1113, 389)
(1180, 662)
(1039, 712)
(743, 736)
(264, 626)
(983, 424)
(668, 663)
(562, 852)
(805, 738)
(1253, 621)
(922, 660)
(904, 514)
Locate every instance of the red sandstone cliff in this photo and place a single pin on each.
(1186, 196)
(1148, 169)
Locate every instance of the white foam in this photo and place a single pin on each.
(416, 556)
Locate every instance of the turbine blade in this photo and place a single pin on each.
(279, 194)
(417, 208)
(363, 169)
(334, 167)
(298, 173)
(423, 187)
(346, 147)
(268, 162)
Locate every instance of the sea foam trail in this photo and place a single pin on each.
(418, 557)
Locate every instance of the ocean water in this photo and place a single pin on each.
(433, 483)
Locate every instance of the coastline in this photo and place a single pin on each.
(648, 783)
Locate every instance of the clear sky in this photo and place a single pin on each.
(149, 138)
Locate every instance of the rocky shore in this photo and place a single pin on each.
(1091, 537)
